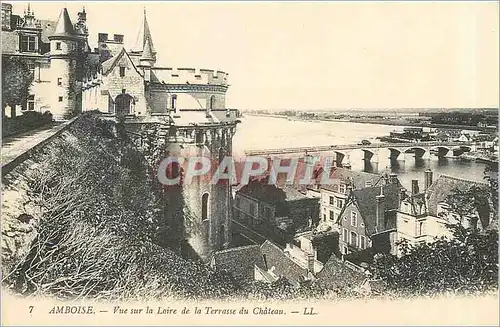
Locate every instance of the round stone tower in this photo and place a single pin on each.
(202, 205)
(65, 49)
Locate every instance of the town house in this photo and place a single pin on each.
(368, 218)
(271, 210)
(423, 216)
(333, 197)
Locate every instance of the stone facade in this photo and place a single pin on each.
(187, 105)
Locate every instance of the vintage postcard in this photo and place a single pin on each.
(249, 163)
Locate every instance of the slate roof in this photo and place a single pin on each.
(261, 190)
(366, 202)
(109, 64)
(64, 26)
(143, 35)
(147, 53)
(240, 261)
(358, 179)
(48, 27)
(283, 265)
(442, 187)
(335, 274)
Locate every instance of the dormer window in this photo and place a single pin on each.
(28, 43)
(122, 71)
(342, 188)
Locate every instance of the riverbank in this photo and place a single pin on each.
(401, 122)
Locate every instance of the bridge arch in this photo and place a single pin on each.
(417, 150)
(394, 153)
(440, 151)
(339, 157)
(368, 154)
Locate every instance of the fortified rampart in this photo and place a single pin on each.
(189, 76)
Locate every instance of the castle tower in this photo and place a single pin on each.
(65, 49)
(198, 214)
(204, 201)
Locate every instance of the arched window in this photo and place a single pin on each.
(204, 207)
(174, 102)
(211, 105)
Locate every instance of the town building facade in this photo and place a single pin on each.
(274, 211)
(368, 219)
(333, 196)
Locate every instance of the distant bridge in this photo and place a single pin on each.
(441, 149)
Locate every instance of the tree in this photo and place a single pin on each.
(326, 243)
(491, 176)
(471, 202)
(467, 263)
(16, 82)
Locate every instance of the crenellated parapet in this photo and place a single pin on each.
(189, 76)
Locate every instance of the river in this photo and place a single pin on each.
(259, 132)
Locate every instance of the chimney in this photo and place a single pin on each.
(402, 194)
(310, 263)
(265, 262)
(428, 179)
(118, 38)
(414, 187)
(102, 37)
(393, 178)
(380, 211)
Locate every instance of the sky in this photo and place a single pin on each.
(319, 55)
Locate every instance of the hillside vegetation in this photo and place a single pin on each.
(98, 214)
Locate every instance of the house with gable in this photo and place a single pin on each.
(368, 219)
(334, 196)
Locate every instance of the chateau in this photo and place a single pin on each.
(187, 105)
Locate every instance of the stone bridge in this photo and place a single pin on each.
(419, 149)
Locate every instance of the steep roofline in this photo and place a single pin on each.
(116, 58)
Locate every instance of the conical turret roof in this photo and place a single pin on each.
(64, 26)
(147, 53)
(144, 34)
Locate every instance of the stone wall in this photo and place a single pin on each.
(132, 83)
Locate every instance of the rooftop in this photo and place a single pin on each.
(366, 201)
(335, 274)
(443, 187)
(262, 191)
(358, 179)
(239, 261)
(283, 265)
